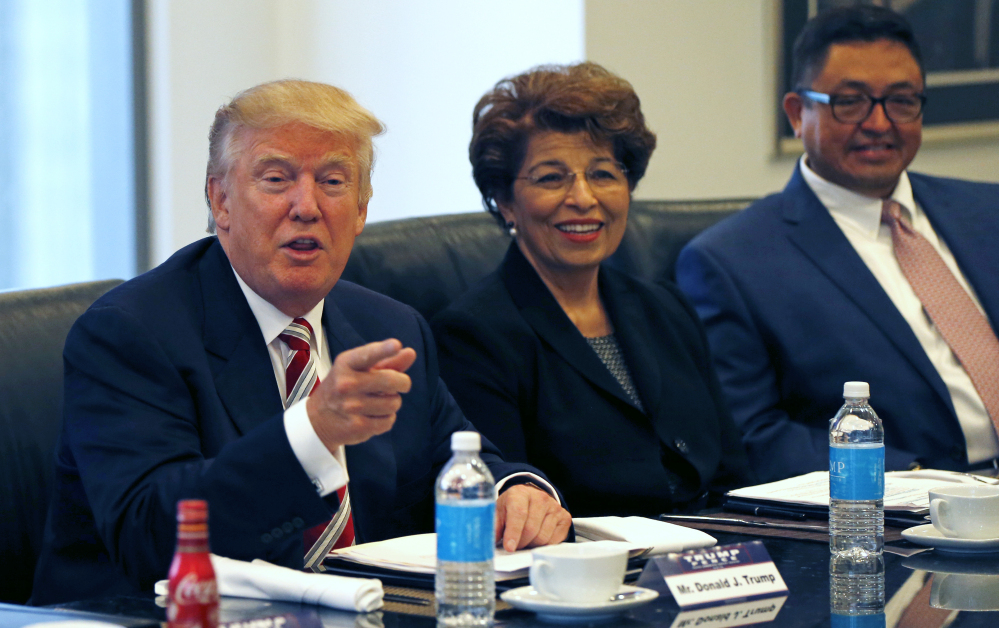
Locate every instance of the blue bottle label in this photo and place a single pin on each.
(466, 531)
(857, 473)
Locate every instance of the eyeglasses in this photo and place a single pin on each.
(854, 108)
(604, 177)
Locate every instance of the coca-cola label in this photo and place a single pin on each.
(191, 590)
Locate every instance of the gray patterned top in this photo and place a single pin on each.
(610, 354)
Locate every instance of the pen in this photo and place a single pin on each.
(406, 599)
(765, 511)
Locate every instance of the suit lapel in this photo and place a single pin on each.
(543, 313)
(371, 465)
(969, 230)
(244, 377)
(634, 332)
(813, 231)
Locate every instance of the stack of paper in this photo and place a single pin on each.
(418, 554)
(905, 491)
(660, 536)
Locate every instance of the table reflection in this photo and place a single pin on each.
(857, 590)
(961, 583)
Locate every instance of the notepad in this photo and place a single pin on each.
(418, 554)
(906, 492)
(659, 536)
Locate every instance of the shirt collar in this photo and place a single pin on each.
(863, 211)
(273, 321)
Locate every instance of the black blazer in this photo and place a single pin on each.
(531, 383)
(170, 394)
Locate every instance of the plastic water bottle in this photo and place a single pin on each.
(856, 476)
(465, 584)
(856, 506)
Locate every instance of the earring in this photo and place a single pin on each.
(512, 229)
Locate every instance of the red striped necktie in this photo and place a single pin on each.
(301, 376)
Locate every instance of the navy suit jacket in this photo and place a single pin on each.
(170, 394)
(792, 312)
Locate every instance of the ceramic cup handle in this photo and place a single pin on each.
(539, 570)
(937, 508)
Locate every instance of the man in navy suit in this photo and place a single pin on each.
(176, 381)
(802, 291)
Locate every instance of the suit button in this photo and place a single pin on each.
(287, 527)
(266, 538)
(277, 533)
(297, 522)
(681, 446)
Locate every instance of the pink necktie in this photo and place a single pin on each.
(949, 306)
(301, 377)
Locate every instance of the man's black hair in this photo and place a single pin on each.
(847, 24)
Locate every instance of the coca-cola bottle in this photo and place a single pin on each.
(194, 596)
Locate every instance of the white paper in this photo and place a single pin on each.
(418, 554)
(904, 490)
(661, 536)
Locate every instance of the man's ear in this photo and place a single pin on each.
(792, 107)
(362, 218)
(220, 203)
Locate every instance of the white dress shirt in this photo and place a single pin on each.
(859, 217)
(327, 471)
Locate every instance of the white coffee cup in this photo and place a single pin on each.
(966, 511)
(579, 572)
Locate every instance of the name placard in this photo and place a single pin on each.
(729, 572)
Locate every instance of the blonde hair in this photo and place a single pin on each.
(278, 103)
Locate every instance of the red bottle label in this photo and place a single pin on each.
(194, 602)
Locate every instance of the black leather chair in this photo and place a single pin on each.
(427, 262)
(33, 328)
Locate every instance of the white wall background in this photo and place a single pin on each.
(706, 73)
(419, 66)
(705, 70)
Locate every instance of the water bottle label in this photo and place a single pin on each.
(466, 531)
(857, 473)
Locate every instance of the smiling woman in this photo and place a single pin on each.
(598, 379)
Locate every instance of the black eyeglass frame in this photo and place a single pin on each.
(830, 99)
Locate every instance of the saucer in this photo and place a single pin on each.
(929, 536)
(527, 599)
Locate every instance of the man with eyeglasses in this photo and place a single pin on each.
(858, 270)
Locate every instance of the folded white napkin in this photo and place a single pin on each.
(263, 580)
(661, 536)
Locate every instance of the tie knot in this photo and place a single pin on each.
(297, 334)
(891, 212)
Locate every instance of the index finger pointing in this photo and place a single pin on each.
(365, 357)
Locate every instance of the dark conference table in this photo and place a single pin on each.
(803, 564)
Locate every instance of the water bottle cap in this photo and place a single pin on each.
(466, 441)
(856, 389)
